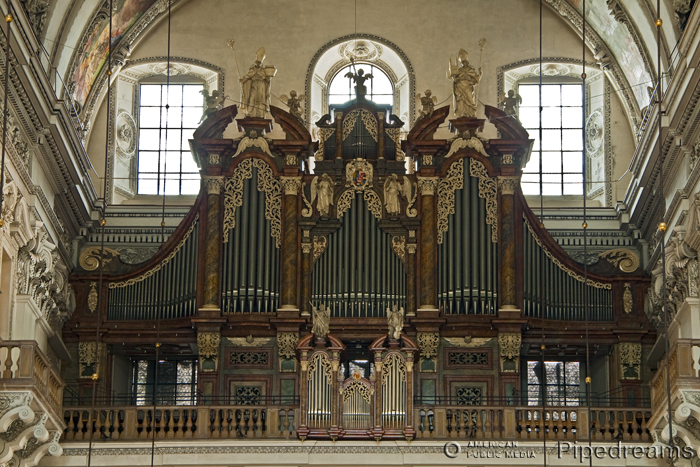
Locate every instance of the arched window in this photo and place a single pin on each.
(380, 89)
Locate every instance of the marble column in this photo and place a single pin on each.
(411, 306)
(507, 264)
(212, 258)
(428, 243)
(290, 254)
(306, 267)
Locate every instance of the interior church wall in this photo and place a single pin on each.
(290, 47)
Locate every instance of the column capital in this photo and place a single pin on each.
(291, 185)
(427, 185)
(213, 184)
(508, 184)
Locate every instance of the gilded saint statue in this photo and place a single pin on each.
(395, 321)
(255, 87)
(322, 188)
(464, 82)
(392, 191)
(321, 320)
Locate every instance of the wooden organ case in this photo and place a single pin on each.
(452, 243)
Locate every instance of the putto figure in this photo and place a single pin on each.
(359, 80)
(214, 102)
(464, 81)
(395, 321)
(323, 190)
(510, 103)
(427, 104)
(321, 320)
(294, 103)
(255, 87)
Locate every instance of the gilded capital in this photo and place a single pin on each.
(306, 248)
(411, 248)
(213, 185)
(291, 185)
(508, 184)
(427, 185)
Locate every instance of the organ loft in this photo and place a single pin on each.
(238, 234)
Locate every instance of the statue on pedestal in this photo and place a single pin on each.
(427, 104)
(395, 321)
(294, 103)
(321, 320)
(255, 87)
(323, 189)
(510, 103)
(359, 80)
(464, 81)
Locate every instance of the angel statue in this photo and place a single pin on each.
(321, 319)
(393, 190)
(395, 320)
(213, 103)
(294, 103)
(255, 87)
(510, 103)
(359, 80)
(323, 189)
(464, 81)
(426, 103)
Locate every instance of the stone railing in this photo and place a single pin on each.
(484, 422)
(23, 366)
(181, 422)
(684, 369)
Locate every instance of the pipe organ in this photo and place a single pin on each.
(279, 278)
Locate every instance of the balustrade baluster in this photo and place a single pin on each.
(645, 433)
(189, 425)
(487, 423)
(560, 425)
(607, 435)
(70, 430)
(216, 425)
(160, 434)
(635, 426)
(171, 424)
(7, 372)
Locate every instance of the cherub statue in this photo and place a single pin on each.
(214, 102)
(395, 321)
(359, 80)
(427, 104)
(255, 87)
(464, 81)
(323, 189)
(510, 103)
(294, 103)
(321, 320)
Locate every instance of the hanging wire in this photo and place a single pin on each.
(543, 379)
(662, 228)
(161, 280)
(5, 112)
(584, 225)
(103, 223)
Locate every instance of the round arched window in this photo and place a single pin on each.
(380, 90)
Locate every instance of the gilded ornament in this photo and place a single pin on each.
(213, 184)
(233, 197)
(161, 263)
(622, 258)
(393, 361)
(461, 143)
(428, 343)
(287, 344)
(290, 185)
(630, 356)
(509, 349)
(487, 190)
(90, 257)
(560, 265)
(320, 362)
(320, 245)
(323, 135)
(508, 185)
(249, 341)
(411, 248)
(468, 341)
(308, 210)
(208, 344)
(374, 204)
(395, 135)
(214, 159)
(359, 174)
(253, 141)
(92, 297)
(367, 118)
(290, 159)
(454, 180)
(507, 159)
(427, 160)
(306, 248)
(321, 320)
(427, 185)
(398, 244)
(627, 298)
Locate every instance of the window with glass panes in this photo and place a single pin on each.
(379, 87)
(168, 116)
(177, 382)
(561, 145)
(561, 381)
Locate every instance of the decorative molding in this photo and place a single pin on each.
(213, 184)
(290, 185)
(233, 197)
(374, 204)
(560, 265)
(487, 191)
(163, 262)
(208, 344)
(468, 341)
(90, 257)
(320, 245)
(508, 185)
(627, 302)
(367, 118)
(461, 143)
(253, 141)
(249, 341)
(622, 258)
(630, 355)
(427, 185)
(454, 180)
